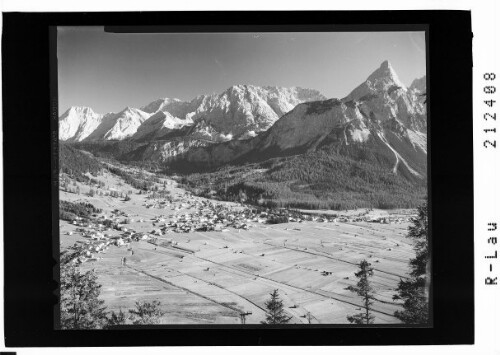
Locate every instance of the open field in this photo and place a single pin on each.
(204, 277)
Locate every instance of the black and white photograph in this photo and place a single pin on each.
(242, 178)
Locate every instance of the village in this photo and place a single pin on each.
(211, 261)
(210, 216)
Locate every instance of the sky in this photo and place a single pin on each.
(110, 71)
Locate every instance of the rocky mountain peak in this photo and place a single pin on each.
(77, 123)
(79, 110)
(419, 84)
(381, 82)
(159, 104)
(385, 74)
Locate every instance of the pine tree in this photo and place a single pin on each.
(115, 319)
(80, 305)
(275, 313)
(414, 291)
(363, 289)
(146, 313)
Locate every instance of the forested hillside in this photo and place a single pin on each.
(76, 163)
(316, 180)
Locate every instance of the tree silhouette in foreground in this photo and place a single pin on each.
(414, 291)
(80, 305)
(363, 289)
(116, 319)
(275, 313)
(146, 313)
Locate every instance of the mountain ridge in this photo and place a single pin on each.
(241, 111)
(242, 123)
(368, 148)
(389, 120)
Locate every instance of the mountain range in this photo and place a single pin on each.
(381, 118)
(242, 111)
(289, 144)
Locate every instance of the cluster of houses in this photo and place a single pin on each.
(214, 216)
(98, 242)
(362, 217)
(388, 219)
(113, 229)
(101, 232)
(87, 251)
(209, 216)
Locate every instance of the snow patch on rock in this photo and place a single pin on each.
(360, 135)
(418, 140)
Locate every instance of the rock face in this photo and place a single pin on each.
(384, 95)
(419, 85)
(243, 111)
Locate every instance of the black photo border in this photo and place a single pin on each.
(31, 165)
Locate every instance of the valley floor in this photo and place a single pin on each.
(212, 277)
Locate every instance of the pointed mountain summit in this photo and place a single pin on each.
(77, 123)
(118, 126)
(160, 105)
(384, 79)
(158, 125)
(385, 98)
(85, 110)
(385, 72)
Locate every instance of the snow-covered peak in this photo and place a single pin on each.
(79, 110)
(385, 70)
(159, 105)
(158, 125)
(239, 112)
(77, 123)
(385, 95)
(383, 80)
(245, 110)
(132, 112)
(384, 77)
(120, 125)
(238, 88)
